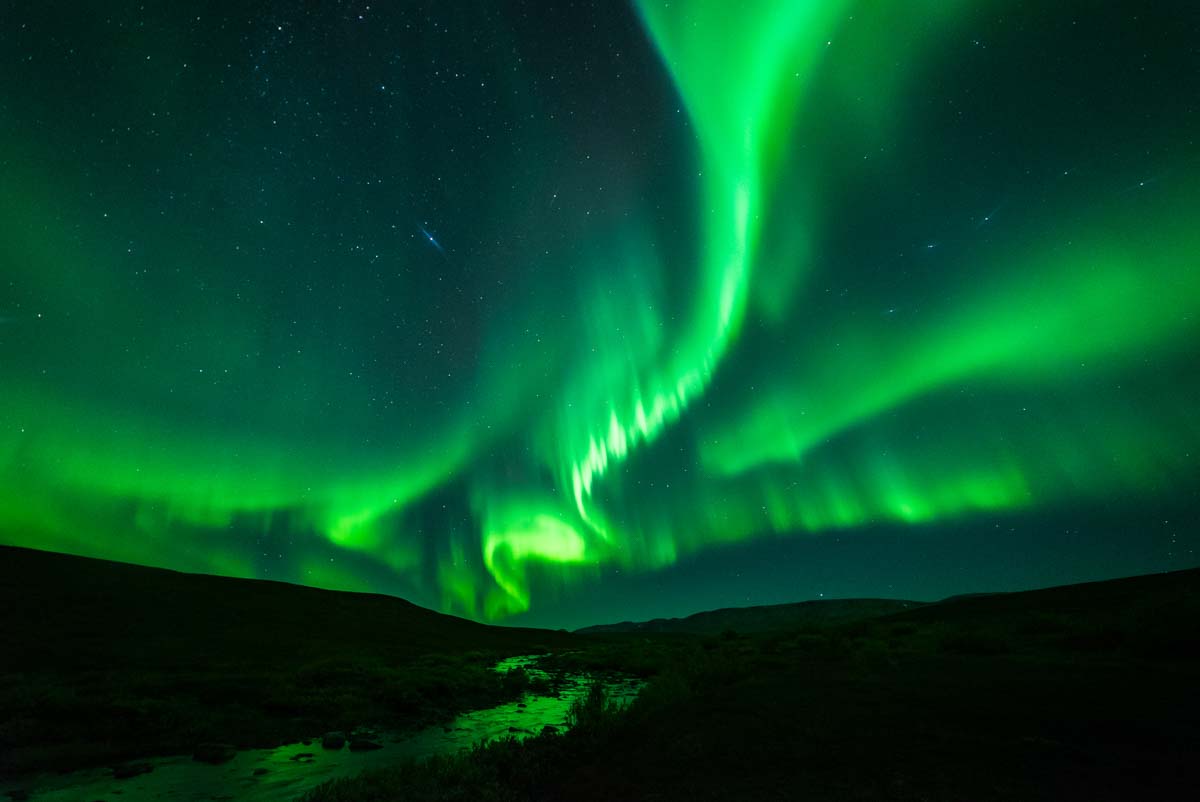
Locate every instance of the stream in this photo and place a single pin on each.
(284, 773)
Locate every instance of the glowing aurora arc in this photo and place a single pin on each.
(739, 102)
(737, 105)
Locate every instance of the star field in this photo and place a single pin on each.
(560, 313)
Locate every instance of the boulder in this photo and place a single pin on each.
(363, 745)
(260, 771)
(333, 740)
(214, 753)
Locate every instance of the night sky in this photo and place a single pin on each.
(562, 313)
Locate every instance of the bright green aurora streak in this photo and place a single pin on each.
(839, 285)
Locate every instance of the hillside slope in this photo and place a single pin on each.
(63, 611)
(106, 661)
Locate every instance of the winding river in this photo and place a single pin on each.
(284, 773)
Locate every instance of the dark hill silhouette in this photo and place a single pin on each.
(1151, 615)
(63, 611)
(1172, 593)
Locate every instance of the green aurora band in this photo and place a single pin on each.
(716, 366)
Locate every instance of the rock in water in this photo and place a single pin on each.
(334, 740)
(214, 753)
(363, 745)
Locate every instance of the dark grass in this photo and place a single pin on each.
(1087, 692)
(103, 662)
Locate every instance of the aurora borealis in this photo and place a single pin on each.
(519, 311)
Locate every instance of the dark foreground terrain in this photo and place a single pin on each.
(1080, 692)
(103, 662)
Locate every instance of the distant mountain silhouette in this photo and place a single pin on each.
(1131, 596)
(764, 618)
(1167, 603)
